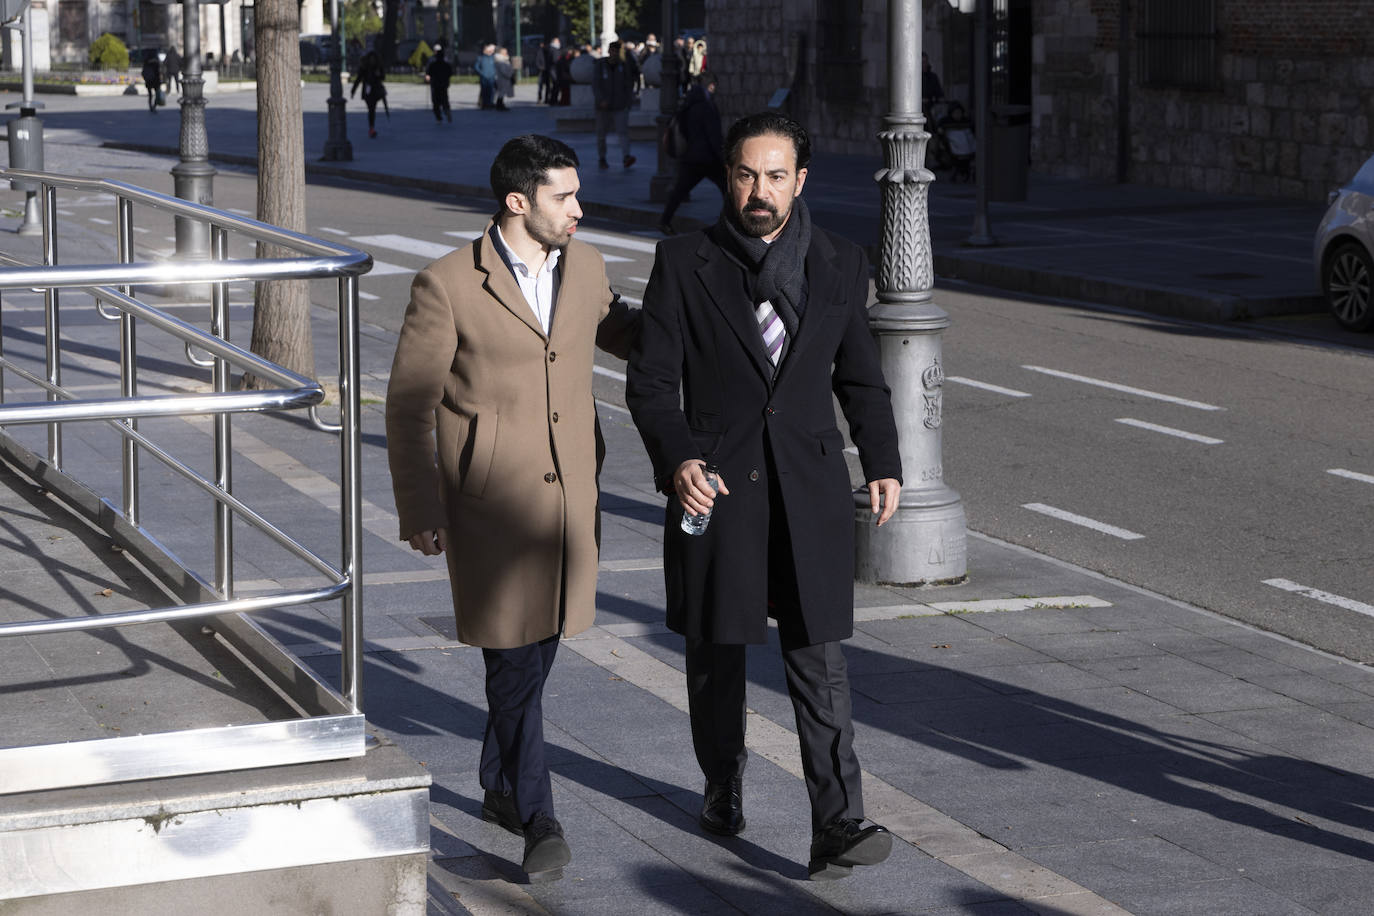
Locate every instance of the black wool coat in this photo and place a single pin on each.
(700, 338)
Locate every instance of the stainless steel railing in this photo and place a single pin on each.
(112, 286)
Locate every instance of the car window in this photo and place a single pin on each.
(1364, 178)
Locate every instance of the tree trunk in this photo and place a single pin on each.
(281, 318)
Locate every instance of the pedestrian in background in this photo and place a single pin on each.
(505, 78)
(152, 79)
(509, 323)
(439, 73)
(485, 67)
(703, 157)
(548, 71)
(613, 87)
(371, 76)
(753, 329)
(171, 70)
(564, 72)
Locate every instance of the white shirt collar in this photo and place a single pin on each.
(517, 263)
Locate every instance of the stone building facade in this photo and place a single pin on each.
(1265, 97)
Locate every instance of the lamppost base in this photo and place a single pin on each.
(336, 147)
(338, 152)
(924, 543)
(32, 224)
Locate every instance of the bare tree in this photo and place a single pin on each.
(281, 318)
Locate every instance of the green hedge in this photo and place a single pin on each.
(109, 53)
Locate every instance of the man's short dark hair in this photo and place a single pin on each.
(524, 164)
(767, 122)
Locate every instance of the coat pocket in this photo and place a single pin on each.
(832, 443)
(478, 448)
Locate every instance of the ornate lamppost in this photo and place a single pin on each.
(336, 147)
(662, 181)
(925, 541)
(193, 176)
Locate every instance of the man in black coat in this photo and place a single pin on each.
(703, 157)
(749, 326)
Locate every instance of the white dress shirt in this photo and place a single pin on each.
(540, 289)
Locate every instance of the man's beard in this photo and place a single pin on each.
(759, 226)
(545, 232)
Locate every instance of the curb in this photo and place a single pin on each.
(1156, 300)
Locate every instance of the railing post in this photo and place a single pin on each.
(52, 322)
(224, 441)
(350, 480)
(128, 363)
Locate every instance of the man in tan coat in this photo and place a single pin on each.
(494, 367)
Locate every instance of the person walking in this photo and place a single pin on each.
(564, 77)
(152, 79)
(549, 52)
(613, 87)
(505, 78)
(485, 67)
(750, 328)
(439, 73)
(171, 69)
(371, 76)
(703, 157)
(493, 375)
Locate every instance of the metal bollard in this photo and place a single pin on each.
(26, 152)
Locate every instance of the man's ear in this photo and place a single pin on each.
(517, 202)
(801, 180)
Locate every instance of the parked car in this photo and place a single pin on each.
(1342, 251)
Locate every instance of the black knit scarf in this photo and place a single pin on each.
(776, 269)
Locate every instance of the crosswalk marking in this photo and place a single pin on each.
(608, 258)
(418, 247)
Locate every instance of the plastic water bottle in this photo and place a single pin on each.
(696, 524)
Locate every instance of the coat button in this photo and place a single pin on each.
(553, 356)
(753, 475)
(770, 411)
(550, 477)
(555, 416)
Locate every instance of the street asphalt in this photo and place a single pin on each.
(1040, 739)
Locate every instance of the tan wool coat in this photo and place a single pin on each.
(492, 434)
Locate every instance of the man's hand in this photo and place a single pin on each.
(430, 543)
(882, 495)
(695, 494)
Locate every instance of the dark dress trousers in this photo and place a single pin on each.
(782, 542)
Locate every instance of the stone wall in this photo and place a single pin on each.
(1289, 117)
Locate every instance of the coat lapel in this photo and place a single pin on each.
(501, 285)
(823, 289)
(721, 278)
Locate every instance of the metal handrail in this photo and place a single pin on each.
(313, 259)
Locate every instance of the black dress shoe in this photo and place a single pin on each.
(842, 844)
(546, 852)
(499, 809)
(722, 808)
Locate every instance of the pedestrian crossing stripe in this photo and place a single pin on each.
(585, 236)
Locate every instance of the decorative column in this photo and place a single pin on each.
(336, 147)
(924, 542)
(193, 177)
(662, 181)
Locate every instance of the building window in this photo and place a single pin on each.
(71, 22)
(1178, 44)
(840, 46)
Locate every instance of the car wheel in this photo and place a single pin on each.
(1348, 280)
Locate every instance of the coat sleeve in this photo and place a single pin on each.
(654, 378)
(419, 371)
(859, 386)
(619, 327)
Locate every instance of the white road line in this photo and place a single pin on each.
(418, 247)
(140, 229)
(1352, 475)
(1083, 520)
(385, 268)
(609, 406)
(331, 230)
(615, 241)
(608, 258)
(369, 296)
(632, 300)
(1169, 431)
(609, 373)
(1127, 389)
(1350, 604)
(638, 279)
(102, 222)
(998, 389)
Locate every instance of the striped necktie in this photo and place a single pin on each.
(770, 326)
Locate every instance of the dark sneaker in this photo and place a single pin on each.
(722, 808)
(842, 844)
(499, 809)
(629, 161)
(546, 852)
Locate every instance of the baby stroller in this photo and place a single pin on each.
(954, 143)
